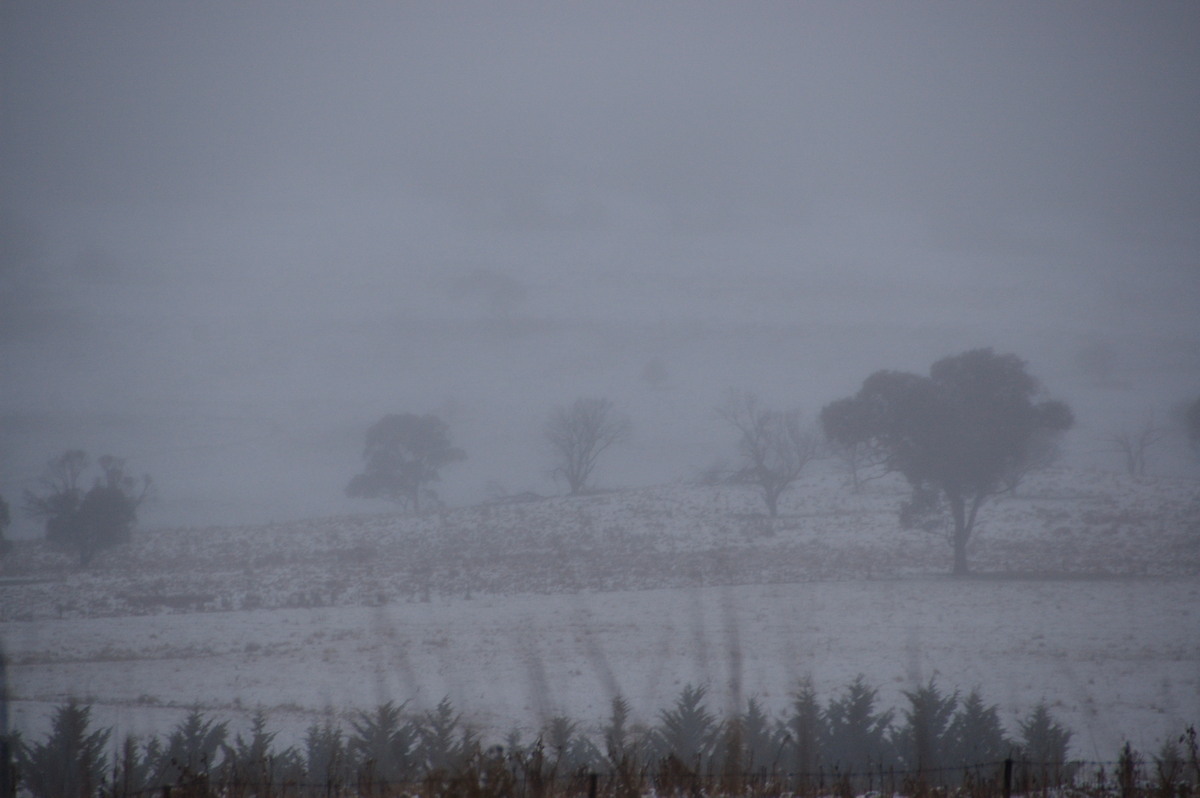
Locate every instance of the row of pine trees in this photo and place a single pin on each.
(939, 737)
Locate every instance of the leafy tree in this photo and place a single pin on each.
(773, 446)
(403, 453)
(92, 520)
(956, 434)
(71, 762)
(579, 434)
(1043, 451)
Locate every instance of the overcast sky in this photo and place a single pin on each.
(234, 234)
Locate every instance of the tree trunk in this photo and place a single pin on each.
(772, 499)
(962, 531)
(960, 552)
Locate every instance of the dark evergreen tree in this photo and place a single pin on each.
(618, 743)
(761, 739)
(327, 762)
(688, 732)
(445, 743)
(71, 762)
(135, 766)
(923, 743)
(194, 750)
(1044, 745)
(805, 733)
(254, 762)
(976, 734)
(384, 746)
(569, 750)
(857, 734)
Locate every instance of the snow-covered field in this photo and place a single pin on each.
(1088, 596)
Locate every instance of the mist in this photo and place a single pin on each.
(233, 237)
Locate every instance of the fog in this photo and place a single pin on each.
(232, 236)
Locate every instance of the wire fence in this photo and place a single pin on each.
(498, 777)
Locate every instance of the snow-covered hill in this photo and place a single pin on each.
(1062, 523)
(1086, 594)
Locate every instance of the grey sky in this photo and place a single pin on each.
(232, 235)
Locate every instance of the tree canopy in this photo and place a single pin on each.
(403, 453)
(955, 435)
(86, 521)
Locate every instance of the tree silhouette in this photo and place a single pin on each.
(847, 431)
(1134, 444)
(954, 435)
(92, 520)
(857, 733)
(579, 434)
(773, 445)
(71, 763)
(403, 453)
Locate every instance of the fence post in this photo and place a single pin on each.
(8, 773)
(593, 780)
(1008, 767)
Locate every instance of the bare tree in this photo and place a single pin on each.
(1134, 444)
(773, 445)
(579, 434)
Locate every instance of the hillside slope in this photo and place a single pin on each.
(1062, 523)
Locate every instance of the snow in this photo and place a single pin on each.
(1088, 597)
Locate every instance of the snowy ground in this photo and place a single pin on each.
(518, 612)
